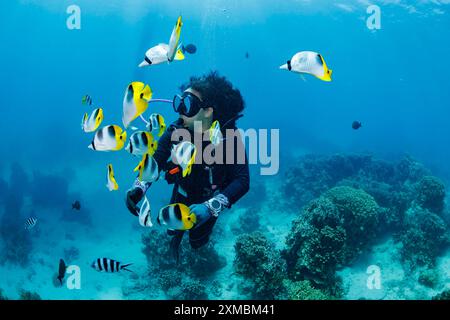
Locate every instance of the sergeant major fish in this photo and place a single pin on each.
(109, 265)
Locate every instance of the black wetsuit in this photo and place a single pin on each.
(204, 181)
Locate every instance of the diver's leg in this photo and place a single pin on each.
(199, 236)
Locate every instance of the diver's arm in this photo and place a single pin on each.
(139, 188)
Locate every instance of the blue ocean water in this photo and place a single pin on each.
(394, 80)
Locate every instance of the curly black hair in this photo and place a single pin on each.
(219, 93)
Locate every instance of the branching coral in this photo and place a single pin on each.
(258, 261)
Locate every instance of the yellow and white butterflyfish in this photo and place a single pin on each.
(142, 142)
(148, 169)
(145, 218)
(92, 122)
(111, 180)
(156, 122)
(135, 102)
(177, 216)
(215, 134)
(309, 62)
(159, 54)
(109, 138)
(183, 154)
(174, 40)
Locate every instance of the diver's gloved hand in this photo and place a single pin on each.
(135, 195)
(202, 213)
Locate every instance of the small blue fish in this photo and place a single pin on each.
(190, 48)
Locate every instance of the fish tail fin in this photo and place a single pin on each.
(124, 267)
(286, 66)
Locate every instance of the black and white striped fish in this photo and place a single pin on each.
(30, 223)
(109, 265)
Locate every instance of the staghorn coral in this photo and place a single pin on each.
(331, 232)
(424, 237)
(431, 194)
(258, 261)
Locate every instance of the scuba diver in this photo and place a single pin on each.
(209, 188)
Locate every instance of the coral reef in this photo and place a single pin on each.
(190, 289)
(258, 261)
(424, 237)
(189, 278)
(15, 241)
(429, 278)
(312, 175)
(202, 262)
(302, 290)
(28, 295)
(444, 295)
(431, 194)
(331, 232)
(247, 222)
(2, 297)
